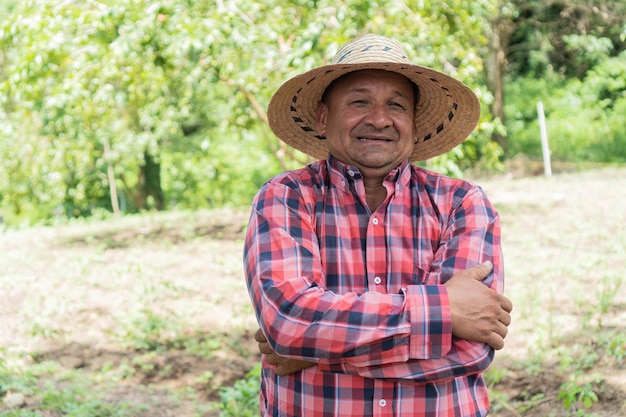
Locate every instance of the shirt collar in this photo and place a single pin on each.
(341, 175)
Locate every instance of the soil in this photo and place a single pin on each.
(67, 289)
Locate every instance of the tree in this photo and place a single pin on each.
(530, 38)
(163, 104)
(498, 32)
(565, 36)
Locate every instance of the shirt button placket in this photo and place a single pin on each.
(383, 406)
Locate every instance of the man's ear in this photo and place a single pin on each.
(321, 114)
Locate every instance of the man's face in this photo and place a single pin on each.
(369, 120)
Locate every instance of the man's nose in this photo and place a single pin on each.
(379, 117)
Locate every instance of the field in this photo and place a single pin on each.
(149, 316)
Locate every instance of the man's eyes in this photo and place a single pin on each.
(392, 104)
(396, 105)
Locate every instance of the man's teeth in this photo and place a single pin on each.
(364, 139)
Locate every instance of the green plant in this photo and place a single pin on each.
(614, 345)
(499, 400)
(52, 389)
(531, 402)
(77, 401)
(150, 331)
(575, 392)
(242, 399)
(494, 376)
(576, 356)
(206, 378)
(14, 377)
(606, 294)
(200, 344)
(584, 118)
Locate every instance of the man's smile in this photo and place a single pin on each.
(361, 139)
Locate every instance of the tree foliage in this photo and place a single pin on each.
(565, 36)
(133, 105)
(569, 55)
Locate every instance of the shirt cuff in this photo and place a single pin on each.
(431, 321)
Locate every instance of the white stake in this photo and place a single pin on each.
(547, 169)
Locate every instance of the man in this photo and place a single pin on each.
(377, 284)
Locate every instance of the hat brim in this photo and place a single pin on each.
(445, 115)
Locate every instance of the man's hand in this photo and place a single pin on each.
(284, 366)
(479, 314)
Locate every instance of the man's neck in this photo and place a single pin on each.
(375, 192)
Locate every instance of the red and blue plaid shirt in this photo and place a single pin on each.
(361, 293)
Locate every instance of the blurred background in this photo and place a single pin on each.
(124, 106)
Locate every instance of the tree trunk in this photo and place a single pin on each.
(494, 69)
(150, 184)
(111, 175)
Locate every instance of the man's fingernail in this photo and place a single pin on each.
(488, 264)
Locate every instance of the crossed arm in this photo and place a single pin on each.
(474, 319)
(479, 314)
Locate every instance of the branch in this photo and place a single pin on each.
(258, 109)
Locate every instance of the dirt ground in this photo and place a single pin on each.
(564, 241)
(67, 291)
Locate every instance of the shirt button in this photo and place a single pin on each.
(377, 280)
(382, 403)
(375, 221)
(343, 183)
(351, 173)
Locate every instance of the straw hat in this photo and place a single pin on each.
(446, 113)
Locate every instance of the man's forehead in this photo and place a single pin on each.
(372, 74)
(362, 80)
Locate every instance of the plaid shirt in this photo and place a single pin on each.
(361, 293)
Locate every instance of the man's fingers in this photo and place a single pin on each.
(259, 336)
(502, 330)
(290, 366)
(505, 318)
(488, 266)
(273, 359)
(481, 271)
(506, 304)
(265, 348)
(477, 272)
(284, 366)
(496, 341)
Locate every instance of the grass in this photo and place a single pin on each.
(144, 315)
(565, 253)
(148, 315)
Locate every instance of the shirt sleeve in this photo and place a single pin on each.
(405, 335)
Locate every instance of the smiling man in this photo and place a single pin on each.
(377, 285)
(376, 128)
